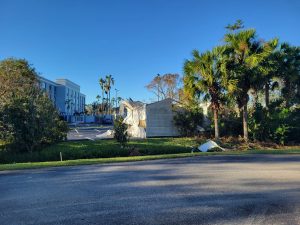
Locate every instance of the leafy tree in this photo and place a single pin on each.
(289, 72)
(165, 86)
(28, 118)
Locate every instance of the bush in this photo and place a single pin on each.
(278, 124)
(188, 120)
(230, 124)
(120, 129)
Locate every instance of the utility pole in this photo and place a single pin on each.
(116, 97)
(116, 100)
(158, 82)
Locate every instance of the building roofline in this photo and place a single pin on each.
(45, 79)
(67, 81)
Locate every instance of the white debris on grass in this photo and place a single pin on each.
(209, 145)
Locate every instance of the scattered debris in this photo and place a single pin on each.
(106, 135)
(210, 146)
(90, 138)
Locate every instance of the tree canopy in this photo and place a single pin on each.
(28, 118)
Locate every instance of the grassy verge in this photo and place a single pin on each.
(35, 165)
(72, 150)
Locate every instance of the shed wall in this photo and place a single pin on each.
(159, 119)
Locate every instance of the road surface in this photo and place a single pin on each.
(254, 189)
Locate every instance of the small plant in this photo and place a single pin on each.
(281, 133)
(120, 129)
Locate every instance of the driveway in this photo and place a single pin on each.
(253, 189)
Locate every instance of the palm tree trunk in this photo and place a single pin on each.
(216, 124)
(102, 105)
(245, 122)
(106, 104)
(109, 105)
(267, 94)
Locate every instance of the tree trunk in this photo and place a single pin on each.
(106, 104)
(102, 104)
(245, 122)
(267, 94)
(109, 103)
(216, 124)
(255, 96)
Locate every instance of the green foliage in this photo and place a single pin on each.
(120, 130)
(231, 124)
(188, 120)
(245, 55)
(281, 133)
(289, 71)
(28, 118)
(278, 123)
(204, 74)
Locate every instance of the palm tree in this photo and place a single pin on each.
(98, 97)
(205, 72)
(245, 54)
(108, 84)
(102, 85)
(119, 99)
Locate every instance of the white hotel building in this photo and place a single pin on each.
(65, 95)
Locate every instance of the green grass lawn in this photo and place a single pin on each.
(102, 149)
(106, 151)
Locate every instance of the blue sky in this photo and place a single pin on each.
(131, 39)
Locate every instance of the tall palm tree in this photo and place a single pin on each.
(205, 71)
(108, 85)
(246, 54)
(98, 97)
(102, 85)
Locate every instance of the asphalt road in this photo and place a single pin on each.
(255, 189)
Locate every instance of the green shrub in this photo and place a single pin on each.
(278, 124)
(188, 120)
(120, 131)
(230, 124)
